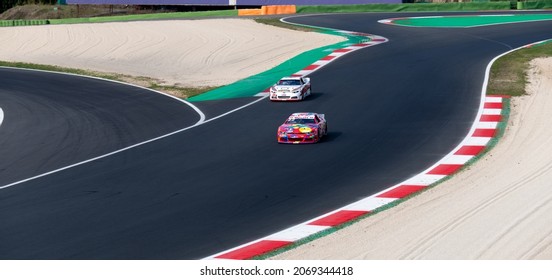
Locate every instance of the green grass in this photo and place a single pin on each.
(68, 14)
(157, 16)
(509, 73)
(182, 92)
(276, 22)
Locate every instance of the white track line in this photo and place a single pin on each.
(201, 121)
(1, 116)
(201, 115)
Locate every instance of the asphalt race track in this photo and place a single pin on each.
(393, 110)
(56, 120)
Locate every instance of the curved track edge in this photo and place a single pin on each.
(486, 128)
(202, 120)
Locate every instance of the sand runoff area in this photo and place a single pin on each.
(209, 52)
(497, 209)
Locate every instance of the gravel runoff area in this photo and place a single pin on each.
(497, 209)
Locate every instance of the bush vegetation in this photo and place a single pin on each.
(8, 4)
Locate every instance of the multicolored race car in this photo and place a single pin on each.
(301, 128)
(291, 89)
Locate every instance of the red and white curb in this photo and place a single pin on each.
(483, 130)
(371, 40)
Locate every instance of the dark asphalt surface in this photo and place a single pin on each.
(393, 110)
(54, 120)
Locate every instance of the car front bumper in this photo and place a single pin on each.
(297, 138)
(285, 97)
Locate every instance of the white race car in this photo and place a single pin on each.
(290, 89)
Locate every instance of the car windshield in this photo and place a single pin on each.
(289, 83)
(299, 121)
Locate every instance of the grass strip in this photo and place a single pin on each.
(509, 73)
(123, 18)
(156, 16)
(151, 83)
(278, 23)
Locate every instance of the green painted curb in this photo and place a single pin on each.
(470, 21)
(250, 86)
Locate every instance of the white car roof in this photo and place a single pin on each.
(302, 116)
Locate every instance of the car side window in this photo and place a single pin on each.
(316, 119)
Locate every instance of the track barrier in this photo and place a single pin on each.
(23, 22)
(269, 10)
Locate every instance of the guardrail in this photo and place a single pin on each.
(23, 22)
(268, 10)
